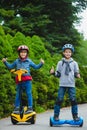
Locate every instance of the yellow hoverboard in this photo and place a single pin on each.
(22, 116)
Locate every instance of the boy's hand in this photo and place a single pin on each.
(42, 61)
(4, 59)
(52, 71)
(78, 75)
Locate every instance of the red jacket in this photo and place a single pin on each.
(23, 78)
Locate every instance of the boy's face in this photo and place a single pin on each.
(23, 54)
(67, 53)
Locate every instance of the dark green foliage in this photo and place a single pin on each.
(50, 19)
(6, 92)
(81, 53)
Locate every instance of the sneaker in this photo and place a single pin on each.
(76, 118)
(16, 110)
(29, 110)
(56, 117)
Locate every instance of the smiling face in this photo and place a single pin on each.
(67, 54)
(23, 54)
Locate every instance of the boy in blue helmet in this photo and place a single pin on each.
(67, 70)
(23, 62)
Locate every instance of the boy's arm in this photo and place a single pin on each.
(58, 70)
(55, 73)
(76, 70)
(37, 66)
(8, 65)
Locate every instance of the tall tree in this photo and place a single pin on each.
(51, 19)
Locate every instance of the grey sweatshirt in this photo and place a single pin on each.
(67, 70)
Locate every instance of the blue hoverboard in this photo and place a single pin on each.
(62, 122)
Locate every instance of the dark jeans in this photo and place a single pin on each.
(72, 96)
(28, 89)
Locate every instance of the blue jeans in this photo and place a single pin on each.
(72, 96)
(27, 86)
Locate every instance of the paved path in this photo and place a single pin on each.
(42, 121)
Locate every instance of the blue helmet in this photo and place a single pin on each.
(68, 46)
